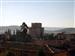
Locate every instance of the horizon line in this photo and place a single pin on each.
(42, 26)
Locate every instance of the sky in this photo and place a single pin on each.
(51, 13)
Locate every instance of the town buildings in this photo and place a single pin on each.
(66, 36)
(14, 45)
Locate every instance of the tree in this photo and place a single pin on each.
(51, 36)
(48, 36)
(41, 52)
(24, 27)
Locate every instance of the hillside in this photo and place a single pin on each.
(67, 30)
(5, 28)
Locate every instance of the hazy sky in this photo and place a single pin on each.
(51, 13)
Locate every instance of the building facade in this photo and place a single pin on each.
(36, 30)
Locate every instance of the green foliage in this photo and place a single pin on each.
(41, 52)
(49, 36)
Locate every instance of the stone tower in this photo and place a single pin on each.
(36, 30)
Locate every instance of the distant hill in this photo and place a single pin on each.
(52, 29)
(46, 29)
(67, 30)
(5, 28)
